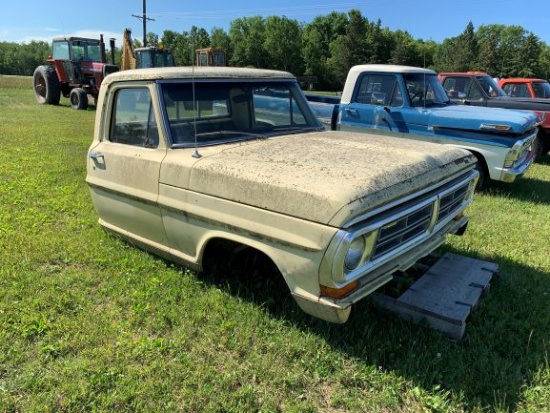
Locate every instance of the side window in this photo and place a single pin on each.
(474, 93)
(508, 89)
(449, 86)
(397, 98)
(133, 120)
(379, 90)
(520, 91)
(456, 87)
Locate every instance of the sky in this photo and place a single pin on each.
(26, 20)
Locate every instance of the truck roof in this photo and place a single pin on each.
(389, 69)
(468, 73)
(356, 71)
(73, 38)
(523, 80)
(196, 72)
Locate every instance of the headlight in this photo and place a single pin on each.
(511, 158)
(354, 254)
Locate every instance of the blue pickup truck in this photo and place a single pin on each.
(409, 102)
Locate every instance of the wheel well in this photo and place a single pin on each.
(483, 171)
(226, 256)
(247, 273)
(480, 160)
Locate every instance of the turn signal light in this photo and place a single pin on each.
(339, 292)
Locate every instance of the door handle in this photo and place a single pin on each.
(352, 113)
(96, 156)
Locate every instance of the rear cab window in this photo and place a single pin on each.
(379, 89)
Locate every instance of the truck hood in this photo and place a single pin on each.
(327, 177)
(473, 117)
(542, 104)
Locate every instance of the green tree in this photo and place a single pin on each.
(199, 37)
(426, 51)
(511, 41)
(404, 51)
(22, 59)
(316, 39)
(177, 44)
(544, 62)
(530, 53)
(247, 37)
(339, 63)
(220, 39)
(356, 38)
(489, 59)
(152, 39)
(378, 43)
(458, 53)
(349, 49)
(283, 44)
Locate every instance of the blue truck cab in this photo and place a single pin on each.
(409, 102)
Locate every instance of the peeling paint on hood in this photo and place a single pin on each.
(326, 177)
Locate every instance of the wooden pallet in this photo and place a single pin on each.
(444, 295)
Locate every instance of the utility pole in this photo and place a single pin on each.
(144, 19)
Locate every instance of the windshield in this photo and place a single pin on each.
(490, 87)
(214, 112)
(425, 90)
(86, 50)
(542, 90)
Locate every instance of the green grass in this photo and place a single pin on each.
(90, 324)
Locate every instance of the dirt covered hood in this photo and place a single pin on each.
(326, 177)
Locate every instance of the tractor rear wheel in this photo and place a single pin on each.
(79, 99)
(46, 86)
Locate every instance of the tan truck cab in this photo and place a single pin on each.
(187, 159)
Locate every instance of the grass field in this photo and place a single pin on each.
(90, 324)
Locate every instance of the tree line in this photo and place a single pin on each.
(330, 45)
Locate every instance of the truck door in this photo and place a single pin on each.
(372, 105)
(123, 167)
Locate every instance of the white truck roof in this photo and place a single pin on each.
(197, 72)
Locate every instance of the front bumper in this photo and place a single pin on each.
(509, 175)
(338, 311)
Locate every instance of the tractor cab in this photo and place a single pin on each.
(74, 58)
(76, 48)
(153, 57)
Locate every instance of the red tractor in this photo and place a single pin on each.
(75, 70)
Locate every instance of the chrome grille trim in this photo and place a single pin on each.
(419, 222)
(393, 230)
(408, 200)
(403, 229)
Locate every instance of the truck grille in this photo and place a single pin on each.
(421, 217)
(396, 233)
